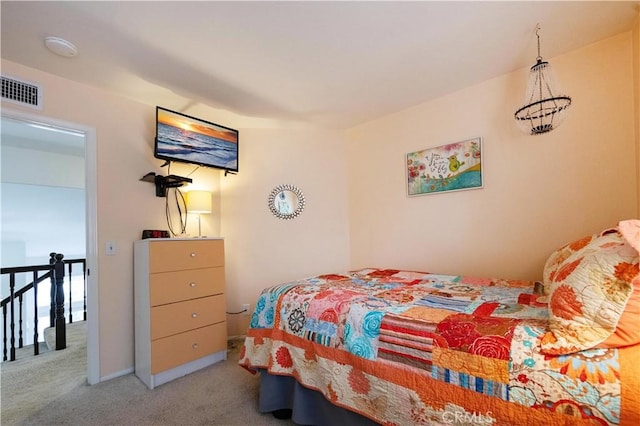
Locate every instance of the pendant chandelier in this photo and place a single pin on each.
(544, 107)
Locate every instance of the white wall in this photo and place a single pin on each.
(539, 191)
(34, 167)
(41, 220)
(40, 205)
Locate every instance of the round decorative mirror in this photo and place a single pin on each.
(286, 201)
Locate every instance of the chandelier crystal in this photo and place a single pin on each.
(545, 108)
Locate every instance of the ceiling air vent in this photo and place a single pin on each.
(21, 92)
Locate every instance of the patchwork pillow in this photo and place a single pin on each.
(589, 292)
(557, 258)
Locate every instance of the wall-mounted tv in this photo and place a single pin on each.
(187, 139)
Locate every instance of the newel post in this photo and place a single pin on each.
(61, 332)
(52, 293)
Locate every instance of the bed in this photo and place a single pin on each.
(400, 347)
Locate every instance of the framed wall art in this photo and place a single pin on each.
(452, 167)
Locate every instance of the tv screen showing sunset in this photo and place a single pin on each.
(187, 139)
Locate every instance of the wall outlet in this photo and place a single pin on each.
(246, 309)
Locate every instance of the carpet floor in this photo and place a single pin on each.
(52, 389)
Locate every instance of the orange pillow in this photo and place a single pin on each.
(628, 329)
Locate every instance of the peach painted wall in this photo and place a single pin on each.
(124, 139)
(263, 250)
(539, 191)
(125, 205)
(636, 79)
(260, 249)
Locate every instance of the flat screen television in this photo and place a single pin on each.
(187, 139)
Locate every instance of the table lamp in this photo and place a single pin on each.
(199, 202)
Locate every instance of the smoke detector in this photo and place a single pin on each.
(61, 47)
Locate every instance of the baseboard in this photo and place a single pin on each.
(155, 380)
(117, 374)
(238, 337)
(132, 369)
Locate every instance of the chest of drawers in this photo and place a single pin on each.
(180, 309)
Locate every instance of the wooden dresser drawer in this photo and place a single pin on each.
(167, 256)
(174, 318)
(180, 308)
(169, 287)
(185, 347)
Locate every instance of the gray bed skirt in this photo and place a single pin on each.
(307, 406)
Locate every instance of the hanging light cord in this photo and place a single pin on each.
(539, 58)
(181, 205)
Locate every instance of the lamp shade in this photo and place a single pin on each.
(199, 202)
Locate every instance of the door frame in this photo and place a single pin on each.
(91, 221)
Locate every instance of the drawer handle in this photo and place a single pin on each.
(194, 315)
(192, 284)
(194, 346)
(192, 255)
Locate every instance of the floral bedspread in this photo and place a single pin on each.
(403, 347)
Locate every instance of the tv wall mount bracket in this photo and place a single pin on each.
(165, 182)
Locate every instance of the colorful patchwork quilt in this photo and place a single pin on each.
(403, 348)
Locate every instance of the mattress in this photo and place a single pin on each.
(406, 347)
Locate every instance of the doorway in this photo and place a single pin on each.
(54, 139)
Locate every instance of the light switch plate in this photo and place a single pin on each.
(110, 248)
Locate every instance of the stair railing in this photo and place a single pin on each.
(56, 273)
(57, 300)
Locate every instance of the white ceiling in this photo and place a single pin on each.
(335, 64)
